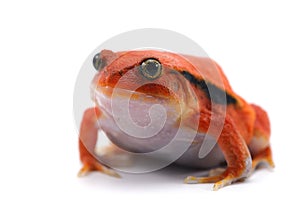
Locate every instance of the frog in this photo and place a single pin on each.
(242, 144)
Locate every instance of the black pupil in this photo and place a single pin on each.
(152, 67)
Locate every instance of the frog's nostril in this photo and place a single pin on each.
(98, 62)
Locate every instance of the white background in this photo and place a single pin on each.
(43, 45)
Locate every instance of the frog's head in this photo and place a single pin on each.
(149, 72)
(136, 82)
(162, 74)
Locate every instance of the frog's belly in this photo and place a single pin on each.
(185, 146)
(188, 158)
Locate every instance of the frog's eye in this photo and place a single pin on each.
(151, 68)
(98, 62)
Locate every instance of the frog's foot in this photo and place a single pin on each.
(87, 141)
(221, 180)
(94, 165)
(264, 156)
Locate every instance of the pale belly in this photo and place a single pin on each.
(172, 141)
(188, 155)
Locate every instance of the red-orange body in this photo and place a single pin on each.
(245, 134)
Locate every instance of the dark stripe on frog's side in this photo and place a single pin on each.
(212, 92)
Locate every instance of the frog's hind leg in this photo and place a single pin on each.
(265, 156)
(237, 156)
(259, 146)
(87, 142)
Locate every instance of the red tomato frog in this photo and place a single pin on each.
(242, 142)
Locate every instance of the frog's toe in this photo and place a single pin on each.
(214, 175)
(227, 177)
(226, 181)
(97, 167)
(193, 179)
(219, 181)
(85, 169)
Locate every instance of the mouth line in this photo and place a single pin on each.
(105, 97)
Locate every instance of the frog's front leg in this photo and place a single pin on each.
(87, 141)
(237, 156)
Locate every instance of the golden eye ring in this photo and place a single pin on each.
(151, 68)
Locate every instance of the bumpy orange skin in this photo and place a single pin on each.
(244, 139)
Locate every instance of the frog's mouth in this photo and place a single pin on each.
(141, 108)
